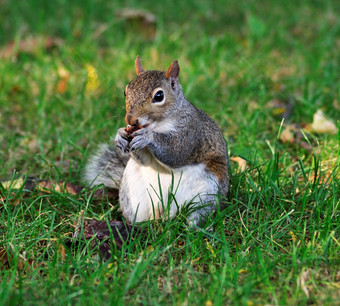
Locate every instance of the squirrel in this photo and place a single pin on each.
(170, 155)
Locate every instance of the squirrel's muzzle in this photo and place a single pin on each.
(131, 120)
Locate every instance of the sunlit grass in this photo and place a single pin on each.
(277, 242)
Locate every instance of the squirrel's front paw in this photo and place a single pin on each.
(141, 139)
(122, 140)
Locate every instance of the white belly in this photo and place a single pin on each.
(156, 191)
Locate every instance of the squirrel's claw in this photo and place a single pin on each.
(121, 140)
(141, 139)
(137, 143)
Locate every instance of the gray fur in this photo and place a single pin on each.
(106, 167)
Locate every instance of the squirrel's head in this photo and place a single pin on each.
(153, 95)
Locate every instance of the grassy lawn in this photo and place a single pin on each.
(63, 68)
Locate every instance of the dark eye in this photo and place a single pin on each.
(159, 96)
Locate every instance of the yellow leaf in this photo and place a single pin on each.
(210, 248)
(293, 235)
(92, 83)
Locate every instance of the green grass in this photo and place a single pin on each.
(277, 242)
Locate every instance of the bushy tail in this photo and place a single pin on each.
(106, 167)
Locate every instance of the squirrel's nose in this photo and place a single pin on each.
(131, 120)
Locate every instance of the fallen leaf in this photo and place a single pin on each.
(210, 248)
(42, 185)
(281, 108)
(293, 236)
(242, 163)
(62, 86)
(30, 45)
(14, 184)
(7, 260)
(92, 82)
(61, 252)
(62, 83)
(121, 232)
(31, 143)
(287, 135)
(47, 186)
(140, 22)
(12, 200)
(180, 243)
(61, 187)
(301, 281)
(63, 72)
(321, 124)
(324, 179)
(283, 72)
(292, 134)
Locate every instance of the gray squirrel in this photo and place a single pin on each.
(170, 155)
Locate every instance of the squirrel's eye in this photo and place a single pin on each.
(159, 96)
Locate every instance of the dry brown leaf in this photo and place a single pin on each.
(287, 135)
(7, 260)
(62, 86)
(30, 45)
(31, 143)
(62, 187)
(62, 83)
(292, 134)
(301, 281)
(139, 21)
(15, 184)
(283, 72)
(136, 14)
(180, 243)
(102, 230)
(13, 199)
(242, 163)
(61, 252)
(321, 124)
(47, 186)
(322, 178)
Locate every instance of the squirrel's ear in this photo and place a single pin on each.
(138, 66)
(172, 73)
(173, 70)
